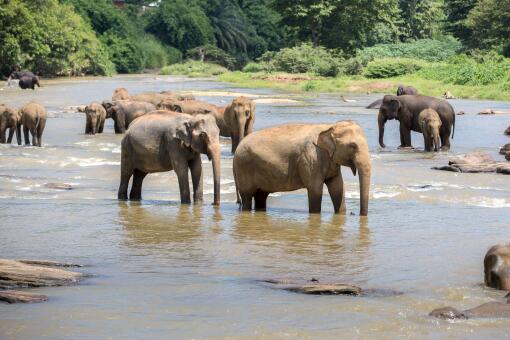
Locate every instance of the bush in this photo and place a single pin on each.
(465, 70)
(392, 67)
(174, 55)
(426, 49)
(253, 68)
(213, 55)
(304, 59)
(125, 52)
(193, 68)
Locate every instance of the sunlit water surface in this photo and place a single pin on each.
(162, 270)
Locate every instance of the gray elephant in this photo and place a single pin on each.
(120, 93)
(406, 90)
(407, 108)
(9, 119)
(27, 80)
(493, 309)
(95, 115)
(165, 141)
(33, 119)
(235, 120)
(123, 112)
(497, 267)
(294, 156)
(430, 127)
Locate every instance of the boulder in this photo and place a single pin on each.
(59, 186)
(493, 112)
(16, 296)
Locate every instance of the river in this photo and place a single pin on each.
(162, 270)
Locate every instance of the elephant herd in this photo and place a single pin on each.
(32, 117)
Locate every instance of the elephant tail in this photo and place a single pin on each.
(237, 188)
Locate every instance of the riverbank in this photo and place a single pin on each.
(361, 85)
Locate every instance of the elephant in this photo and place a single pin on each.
(123, 112)
(96, 115)
(120, 93)
(407, 108)
(494, 309)
(497, 267)
(406, 90)
(156, 98)
(26, 79)
(165, 141)
(376, 104)
(430, 125)
(294, 156)
(9, 119)
(33, 119)
(235, 120)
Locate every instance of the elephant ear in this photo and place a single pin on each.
(252, 108)
(183, 133)
(176, 108)
(394, 105)
(326, 142)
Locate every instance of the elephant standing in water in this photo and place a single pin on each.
(430, 126)
(96, 115)
(406, 90)
(294, 156)
(165, 141)
(235, 120)
(123, 112)
(33, 119)
(407, 108)
(10, 119)
(26, 79)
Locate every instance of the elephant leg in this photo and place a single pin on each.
(260, 200)
(405, 137)
(126, 171)
(235, 142)
(337, 193)
(40, 129)
(88, 127)
(182, 174)
(33, 132)
(25, 133)
(445, 137)
(101, 127)
(246, 200)
(197, 178)
(11, 134)
(2, 136)
(315, 198)
(136, 187)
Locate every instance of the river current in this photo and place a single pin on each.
(159, 269)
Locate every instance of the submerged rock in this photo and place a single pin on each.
(59, 186)
(493, 112)
(475, 162)
(16, 296)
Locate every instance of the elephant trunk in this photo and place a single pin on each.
(381, 120)
(215, 152)
(437, 143)
(240, 135)
(362, 164)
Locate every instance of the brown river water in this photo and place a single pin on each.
(162, 270)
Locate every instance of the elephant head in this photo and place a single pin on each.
(108, 105)
(10, 118)
(94, 112)
(497, 267)
(346, 145)
(406, 90)
(202, 135)
(389, 110)
(169, 105)
(240, 116)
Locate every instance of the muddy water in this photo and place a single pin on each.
(162, 270)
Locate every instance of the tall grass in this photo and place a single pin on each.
(193, 68)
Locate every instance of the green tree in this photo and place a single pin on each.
(490, 22)
(456, 14)
(422, 19)
(181, 23)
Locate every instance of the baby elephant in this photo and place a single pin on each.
(9, 119)
(430, 124)
(96, 115)
(497, 267)
(33, 119)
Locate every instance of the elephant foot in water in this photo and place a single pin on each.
(487, 310)
(405, 147)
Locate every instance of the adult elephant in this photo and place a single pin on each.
(406, 90)
(33, 119)
(120, 93)
(9, 119)
(294, 156)
(123, 112)
(235, 120)
(497, 267)
(95, 117)
(156, 98)
(165, 141)
(27, 80)
(406, 109)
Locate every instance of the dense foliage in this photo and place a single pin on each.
(326, 37)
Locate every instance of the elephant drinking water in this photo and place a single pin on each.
(165, 141)
(294, 156)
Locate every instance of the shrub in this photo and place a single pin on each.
(212, 54)
(426, 49)
(253, 67)
(193, 68)
(392, 67)
(174, 55)
(305, 59)
(125, 52)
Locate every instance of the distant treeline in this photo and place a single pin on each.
(72, 37)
